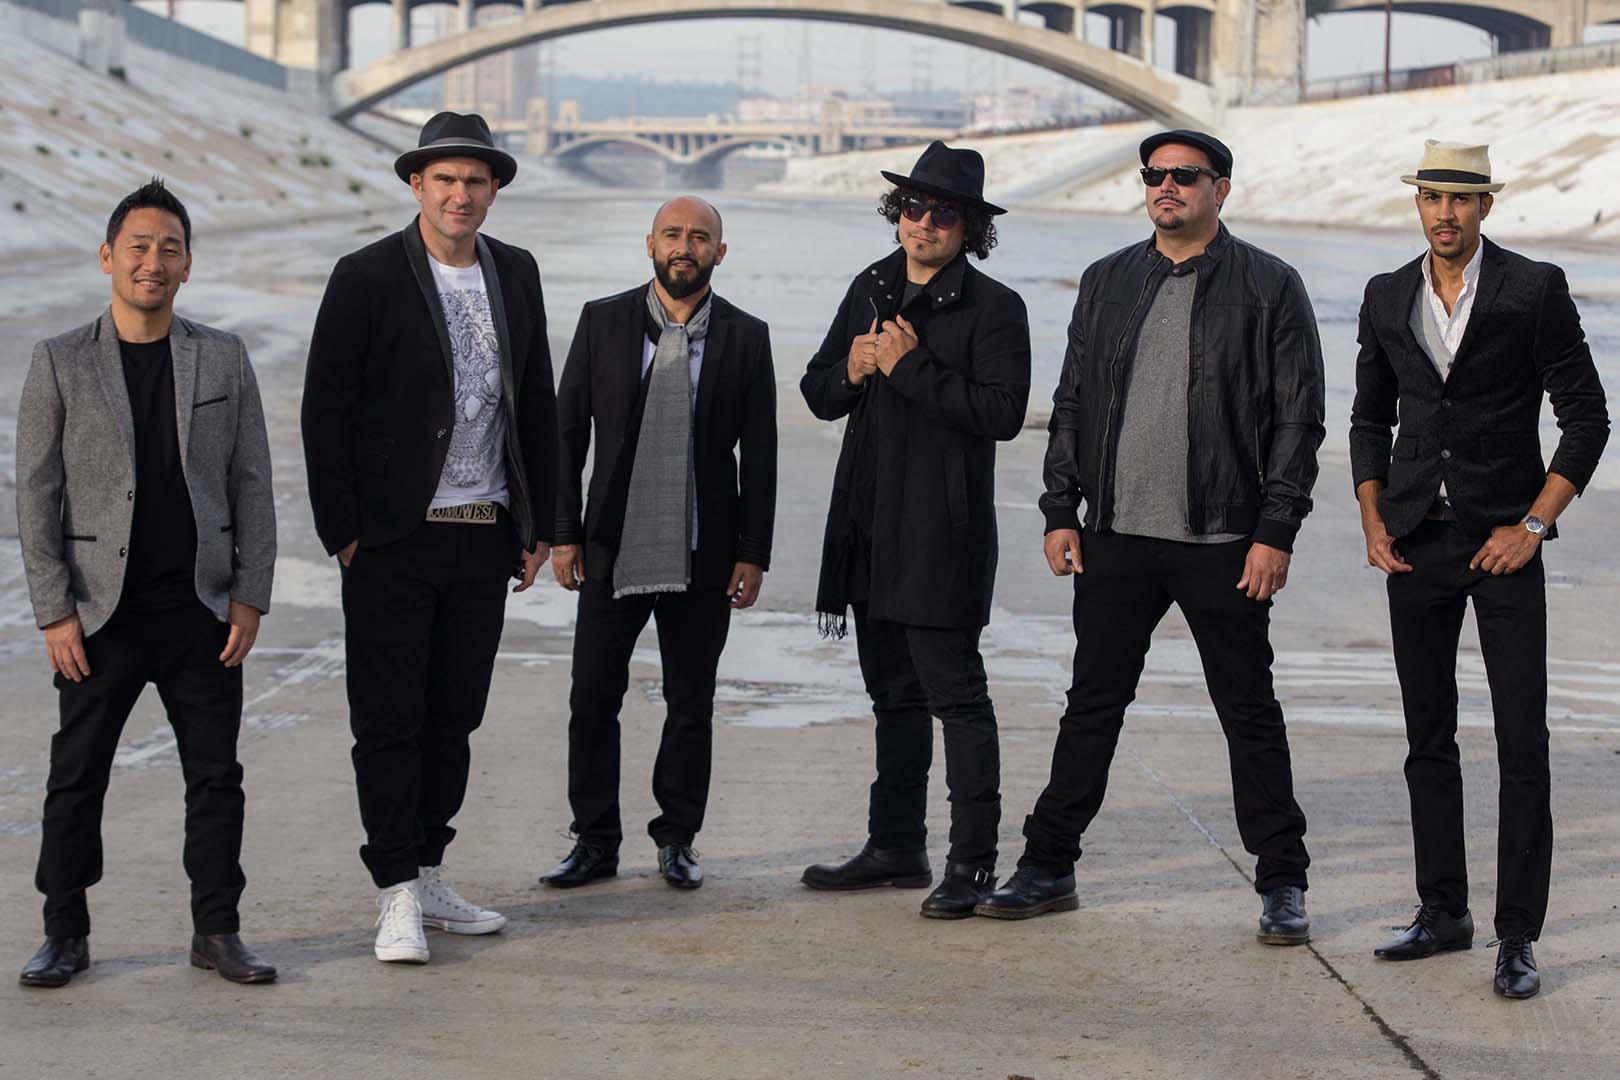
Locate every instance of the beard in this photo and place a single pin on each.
(679, 288)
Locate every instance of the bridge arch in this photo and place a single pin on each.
(710, 153)
(1171, 98)
(1515, 25)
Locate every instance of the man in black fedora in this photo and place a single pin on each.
(1187, 419)
(1458, 348)
(430, 428)
(929, 360)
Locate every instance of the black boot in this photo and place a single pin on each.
(1433, 930)
(872, 868)
(56, 962)
(226, 954)
(678, 863)
(1516, 974)
(1030, 891)
(962, 889)
(1282, 917)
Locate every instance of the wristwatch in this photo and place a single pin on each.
(1535, 525)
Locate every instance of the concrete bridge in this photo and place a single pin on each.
(1515, 25)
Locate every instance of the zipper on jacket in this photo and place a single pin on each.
(1106, 459)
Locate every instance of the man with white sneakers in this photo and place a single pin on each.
(430, 433)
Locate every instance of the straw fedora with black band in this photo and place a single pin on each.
(1454, 167)
(949, 173)
(449, 135)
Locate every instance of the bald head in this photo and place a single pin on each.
(686, 209)
(685, 247)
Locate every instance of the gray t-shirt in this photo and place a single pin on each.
(475, 464)
(1150, 470)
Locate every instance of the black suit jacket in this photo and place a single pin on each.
(736, 411)
(1477, 428)
(928, 431)
(379, 392)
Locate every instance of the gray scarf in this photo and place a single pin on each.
(655, 555)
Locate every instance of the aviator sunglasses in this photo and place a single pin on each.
(915, 208)
(1184, 175)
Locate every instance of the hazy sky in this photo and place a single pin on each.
(859, 59)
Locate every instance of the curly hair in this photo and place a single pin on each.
(979, 228)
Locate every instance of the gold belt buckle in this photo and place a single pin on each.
(473, 513)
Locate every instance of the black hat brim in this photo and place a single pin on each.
(943, 192)
(503, 165)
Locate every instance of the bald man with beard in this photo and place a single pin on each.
(679, 387)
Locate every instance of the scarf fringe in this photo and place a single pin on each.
(830, 625)
(646, 590)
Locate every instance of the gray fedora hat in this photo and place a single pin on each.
(450, 135)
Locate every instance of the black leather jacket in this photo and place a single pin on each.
(1254, 395)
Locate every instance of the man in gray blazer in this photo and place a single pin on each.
(149, 539)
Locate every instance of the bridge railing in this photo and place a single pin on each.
(1514, 65)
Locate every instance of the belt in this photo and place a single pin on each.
(473, 513)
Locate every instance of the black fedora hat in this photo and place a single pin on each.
(949, 173)
(453, 135)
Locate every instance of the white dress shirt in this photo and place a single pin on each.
(1451, 326)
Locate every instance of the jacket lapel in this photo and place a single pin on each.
(1408, 281)
(183, 351)
(503, 333)
(714, 355)
(416, 254)
(110, 366)
(1489, 284)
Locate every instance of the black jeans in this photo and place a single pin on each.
(422, 621)
(1425, 615)
(178, 652)
(914, 673)
(1128, 585)
(692, 628)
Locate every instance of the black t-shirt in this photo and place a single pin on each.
(162, 570)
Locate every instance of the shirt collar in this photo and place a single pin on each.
(1470, 272)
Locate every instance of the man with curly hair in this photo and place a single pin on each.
(929, 360)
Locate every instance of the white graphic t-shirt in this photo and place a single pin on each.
(475, 467)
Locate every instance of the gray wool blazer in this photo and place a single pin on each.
(76, 471)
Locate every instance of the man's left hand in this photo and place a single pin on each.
(897, 339)
(244, 622)
(746, 579)
(1508, 549)
(532, 562)
(1265, 571)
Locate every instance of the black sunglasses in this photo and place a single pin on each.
(1184, 175)
(915, 208)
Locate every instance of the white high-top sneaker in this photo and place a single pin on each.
(446, 909)
(399, 925)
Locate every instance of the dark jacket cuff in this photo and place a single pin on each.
(567, 532)
(754, 557)
(1277, 534)
(1578, 473)
(1061, 517)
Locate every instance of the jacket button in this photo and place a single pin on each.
(882, 282)
(1446, 454)
(1445, 403)
(122, 552)
(129, 496)
(441, 433)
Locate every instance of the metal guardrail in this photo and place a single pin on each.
(1513, 65)
(166, 36)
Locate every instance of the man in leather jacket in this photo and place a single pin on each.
(1187, 420)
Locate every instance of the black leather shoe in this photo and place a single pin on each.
(585, 864)
(226, 954)
(1282, 917)
(56, 962)
(872, 868)
(1516, 974)
(962, 889)
(679, 865)
(1433, 930)
(1030, 891)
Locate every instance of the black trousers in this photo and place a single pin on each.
(178, 652)
(422, 621)
(692, 628)
(1425, 615)
(1128, 585)
(913, 674)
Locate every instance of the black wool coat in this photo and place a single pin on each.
(379, 392)
(1476, 429)
(602, 387)
(935, 421)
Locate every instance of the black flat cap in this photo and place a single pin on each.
(1220, 158)
(450, 135)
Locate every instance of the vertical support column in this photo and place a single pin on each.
(1125, 32)
(530, 5)
(402, 24)
(468, 15)
(1146, 44)
(1192, 44)
(340, 37)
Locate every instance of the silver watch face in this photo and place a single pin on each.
(1535, 524)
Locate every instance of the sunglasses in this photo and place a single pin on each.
(1184, 175)
(945, 215)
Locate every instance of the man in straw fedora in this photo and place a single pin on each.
(1457, 349)
(430, 432)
